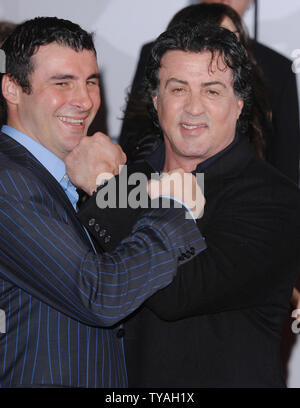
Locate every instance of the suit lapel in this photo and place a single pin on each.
(22, 157)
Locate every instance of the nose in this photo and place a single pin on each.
(81, 98)
(194, 105)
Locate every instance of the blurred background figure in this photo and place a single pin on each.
(284, 147)
(275, 119)
(240, 6)
(6, 27)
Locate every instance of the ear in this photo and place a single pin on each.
(10, 89)
(154, 99)
(240, 103)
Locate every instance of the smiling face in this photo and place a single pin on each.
(64, 98)
(196, 106)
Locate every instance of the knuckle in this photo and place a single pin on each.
(101, 137)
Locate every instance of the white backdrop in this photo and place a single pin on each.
(123, 26)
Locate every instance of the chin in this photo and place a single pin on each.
(194, 153)
(71, 144)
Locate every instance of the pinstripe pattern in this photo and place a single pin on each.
(57, 294)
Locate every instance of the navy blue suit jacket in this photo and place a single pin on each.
(57, 294)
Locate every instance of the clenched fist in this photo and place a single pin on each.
(182, 187)
(92, 156)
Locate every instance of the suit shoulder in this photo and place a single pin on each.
(17, 179)
(7, 162)
(272, 180)
(267, 56)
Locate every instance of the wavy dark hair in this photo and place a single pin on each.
(260, 118)
(220, 42)
(260, 121)
(25, 40)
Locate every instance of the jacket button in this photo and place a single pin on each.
(102, 233)
(92, 222)
(120, 333)
(107, 239)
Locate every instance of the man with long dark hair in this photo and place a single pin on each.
(218, 324)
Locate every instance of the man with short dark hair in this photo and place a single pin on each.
(57, 294)
(218, 324)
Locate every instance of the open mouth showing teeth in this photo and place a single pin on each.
(191, 127)
(71, 120)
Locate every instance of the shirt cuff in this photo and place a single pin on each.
(182, 203)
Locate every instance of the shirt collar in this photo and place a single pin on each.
(49, 160)
(157, 158)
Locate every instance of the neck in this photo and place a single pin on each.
(15, 123)
(187, 164)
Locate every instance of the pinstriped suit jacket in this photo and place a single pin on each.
(58, 296)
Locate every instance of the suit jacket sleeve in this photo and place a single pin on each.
(251, 257)
(43, 253)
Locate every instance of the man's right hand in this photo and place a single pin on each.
(92, 156)
(182, 187)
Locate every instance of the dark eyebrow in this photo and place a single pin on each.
(95, 76)
(206, 84)
(179, 81)
(60, 77)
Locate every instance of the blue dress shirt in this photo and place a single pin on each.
(49, 160)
